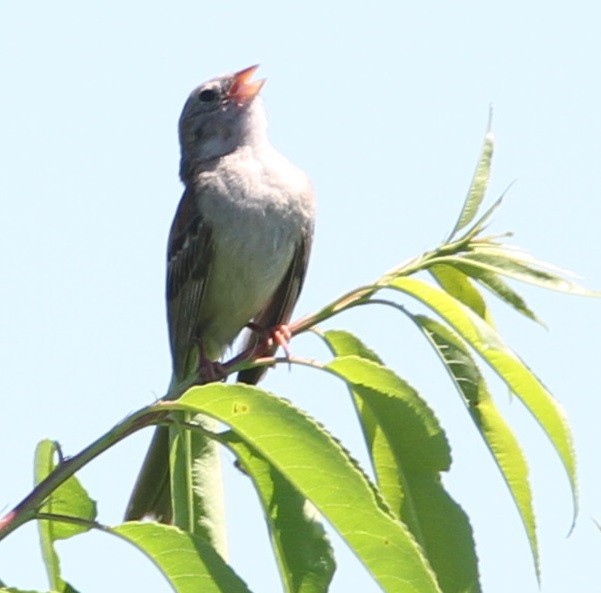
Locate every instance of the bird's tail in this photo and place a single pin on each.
(198, 478)
(151, 496)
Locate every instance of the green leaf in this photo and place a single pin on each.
(70, 499)
(302, 550)
(496, 433)
(344, 343)
(421, 434)
(196, 482)
(506, 364)
(502, 290)
(14, 590)
(67, 589)
(181, 457)
(516, 264)
(189, 563)
(458, 285)
(454, 278)
(477, 189)
(408, 450)
(315, 464)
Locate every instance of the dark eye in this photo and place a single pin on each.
(207, 95)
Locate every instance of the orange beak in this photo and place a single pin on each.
(242, 90)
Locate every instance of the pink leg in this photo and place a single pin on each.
(280, 335)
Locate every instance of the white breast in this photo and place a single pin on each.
(258, 206)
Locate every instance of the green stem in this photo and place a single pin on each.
(71, 520)
(27, 509)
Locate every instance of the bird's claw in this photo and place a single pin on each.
(209, 371)
(278, 336)
(281, 335)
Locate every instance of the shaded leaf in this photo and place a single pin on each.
(302, 550)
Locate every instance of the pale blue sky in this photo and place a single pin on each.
(384, 104)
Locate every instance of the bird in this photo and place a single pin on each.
(237, 252)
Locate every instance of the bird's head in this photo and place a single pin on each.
(219, 116)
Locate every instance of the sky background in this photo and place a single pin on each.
(384, 104)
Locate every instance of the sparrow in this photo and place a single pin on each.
(237, 252)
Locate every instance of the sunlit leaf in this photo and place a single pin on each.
(197, 483)
(478, 185)
(496, 433)
(501, 289)
(457, 284)
(188, 562)
(319, 468)
(408, 450)
(517, 265)
(69, 499)
(14, 590)
(507, 365)
(454, 277)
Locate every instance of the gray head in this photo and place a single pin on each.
(218, 117)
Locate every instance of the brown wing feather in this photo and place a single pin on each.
(189, 256)
(279, 309)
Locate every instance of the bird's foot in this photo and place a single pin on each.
(209, 371)
(278, 336)
(281, 335)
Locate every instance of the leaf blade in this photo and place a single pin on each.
(517, 265)
(197, 483)
(457, 284)
(188, 562)
(286, 437)
(408, 451)
(68, 499)
(478, 185)
(497, 435)
(506, 364)
(302, 549)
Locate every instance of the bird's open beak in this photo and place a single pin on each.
(242, 90)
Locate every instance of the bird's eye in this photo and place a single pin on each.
(207, 95)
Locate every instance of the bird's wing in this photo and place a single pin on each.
(189, 257)
(279, 309)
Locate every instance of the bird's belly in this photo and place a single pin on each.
(249, 263)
